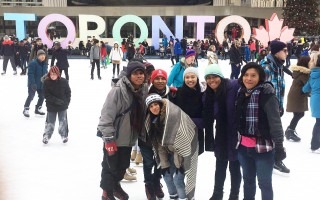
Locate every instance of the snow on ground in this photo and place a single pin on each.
(30, 170)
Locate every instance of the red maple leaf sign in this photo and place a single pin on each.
(273, 30)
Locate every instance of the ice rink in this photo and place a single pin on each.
(30, 170)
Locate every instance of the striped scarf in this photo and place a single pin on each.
(252, 112)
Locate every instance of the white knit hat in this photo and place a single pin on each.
(153, 98)
(191, 70)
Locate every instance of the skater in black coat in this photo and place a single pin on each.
(62, 59)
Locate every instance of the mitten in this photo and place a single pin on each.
(280, 154)
(110, 145)
(34, 87)
(165, 171)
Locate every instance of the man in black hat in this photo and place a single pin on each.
(62, 59)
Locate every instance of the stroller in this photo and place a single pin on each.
(161, 51)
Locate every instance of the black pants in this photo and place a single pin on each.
(296, 117)
(95, 62)
(177, 58)
(31, 94)
(114, 167)
(5, 63)
(66, 73)
(201, 141)
(220, 176)
(149, 165)
(114, 68)
(172, 60)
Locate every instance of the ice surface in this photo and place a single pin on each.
(31, 170)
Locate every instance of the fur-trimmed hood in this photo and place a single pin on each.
(296, 68)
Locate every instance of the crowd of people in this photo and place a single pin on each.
(174, 118)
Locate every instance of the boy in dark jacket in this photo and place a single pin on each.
(62, 59)
(57, 94)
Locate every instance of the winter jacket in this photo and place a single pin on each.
(274, 74)
(176, 75)
(36, 70)
(313, 87)
(165, 42)
(62, 58)
(103, 51)
(94, 53)
(24, 51)
(7, 48)
(130, 53)
(57, 94)
(177, 49)
(235, 55)
(116, 54)
(212, 57)
(297, 101)
(119, 99)
(269, 122)
(225, 139)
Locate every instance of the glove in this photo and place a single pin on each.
(281, 110)
(280, 154)
(34, 87)
(165, 171)
(59, 102)
(110, 145)
(181, 170)
(173, 89)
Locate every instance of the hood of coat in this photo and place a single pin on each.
(315, 73)
(299, 70)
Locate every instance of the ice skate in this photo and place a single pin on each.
(26, 112)
(133, 155)
(138, 159)
(129, 177)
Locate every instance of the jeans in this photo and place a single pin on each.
(149, 163)
(258, 165)
(124, 56)
(296, 117)
(31, 94)
(220, 176)
(95, 62)
(315, 141)
(235, 71)
(175, 181)
(51, 121)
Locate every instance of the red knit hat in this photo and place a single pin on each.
(54, 69)
(158, 72)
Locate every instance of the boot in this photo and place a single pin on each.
(64, 139)
(3, 73)
(138, 159)
(26, 112)
(132, 171)
(234, 197)
(14, 72)
(217, 196)
(292, 135)
(120, 193)
(129, 177)
(45, 139)
(150, 192)
(107, 195)
(158, 190)
(281, 167)
(133, 155)
(38, 111)
(174, 196)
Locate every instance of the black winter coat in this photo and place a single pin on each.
(62, 58)
(235, 56)
(57, 94)
(7, 48)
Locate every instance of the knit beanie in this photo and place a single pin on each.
(153, 98)
(189, 53)
(158, 72)
(40, 51)
(213, 69)
(191, 70)
(277, 46)
(134, 66)
(54, 69)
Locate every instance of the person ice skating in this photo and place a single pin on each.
(95, 58)
(176, 75)
(313, 87)
(260, 131)
(36, 69)
(8, 51)
(62, 59)
(57, 94)
(297, 102)
(175, 143)
(35, 48)
(116, 57)
(218, 111)
(103, 54)
(235, 59)
(211, 55)
(189, 99)
(122, 119)
(274, 69)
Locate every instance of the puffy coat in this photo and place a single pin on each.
(62, 58)
(36, 70)
(313, 86)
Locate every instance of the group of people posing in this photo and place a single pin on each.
(238, 119)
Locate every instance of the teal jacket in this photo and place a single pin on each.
(36, 70)
(176, 75)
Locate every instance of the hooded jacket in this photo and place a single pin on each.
(313, 87)
(297, 101)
